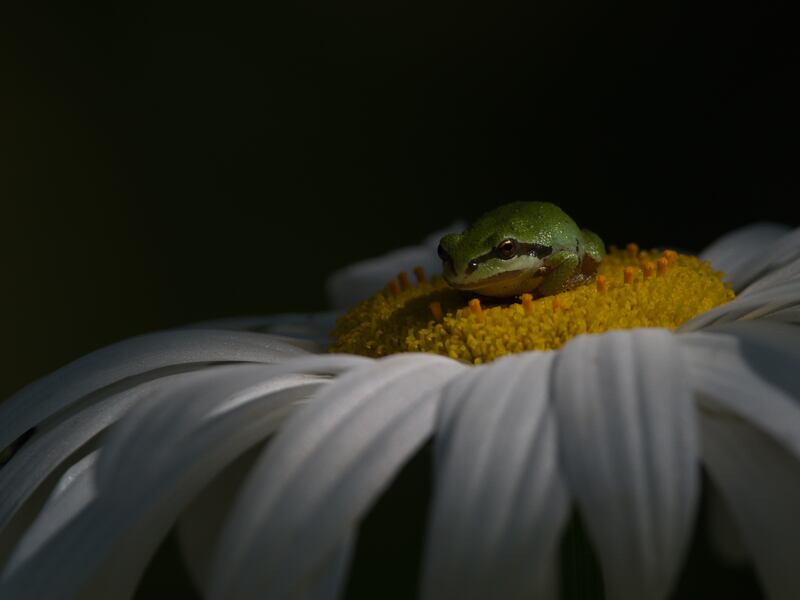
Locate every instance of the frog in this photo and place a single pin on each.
(518, 248)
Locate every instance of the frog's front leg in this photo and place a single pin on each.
(561, 274)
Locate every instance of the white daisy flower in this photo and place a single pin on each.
(267, 456)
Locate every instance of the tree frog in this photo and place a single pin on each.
(521, 247)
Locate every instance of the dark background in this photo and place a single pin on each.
(161, 164)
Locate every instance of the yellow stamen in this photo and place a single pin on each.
(436, 310)
(404, 282)
(419, 273)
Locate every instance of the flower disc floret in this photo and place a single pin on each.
(633, 289)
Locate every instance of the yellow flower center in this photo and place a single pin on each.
(632, 289)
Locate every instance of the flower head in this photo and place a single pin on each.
(267, 456)
(634, 289)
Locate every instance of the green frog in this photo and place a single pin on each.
(522, 247)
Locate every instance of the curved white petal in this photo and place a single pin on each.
(629, 447)
(120, 363)
(74, 491)
(722, 530)
(789, 272)
(731, 252)
(165, 450)
(306, 330)
(760, 482)
(201, 522)
(778, 302)
(361, 280)
(43, 454)
(499, 502)
(227, 390)
(750, 369)
(331, 460)
(775, 254)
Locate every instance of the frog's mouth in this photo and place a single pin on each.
(508, 280)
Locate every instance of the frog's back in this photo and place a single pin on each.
(542, 217)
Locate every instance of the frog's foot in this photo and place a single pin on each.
(586, 273)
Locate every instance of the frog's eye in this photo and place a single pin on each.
(507, 249)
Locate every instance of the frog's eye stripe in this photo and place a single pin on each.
(444, 255)
(537, 250)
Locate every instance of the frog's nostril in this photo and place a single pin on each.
(471, 266)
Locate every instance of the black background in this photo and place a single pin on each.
(161, 164)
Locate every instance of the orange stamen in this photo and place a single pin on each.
(419, 273)
(663, 265)
(602, 283)
(404, 282)
(628, 273)
(649, 269)
(527, 302)
(475, 306)
(632, 249)
(671, 256)
(394, 288)
(436, 310)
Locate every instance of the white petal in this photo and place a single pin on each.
(750, 369)
(324, 469)
(722, 530)
(761, 484)
(45, 452)
(779, 302)
(201, 521)
(499, 502)
(734, 250)
(120, 363)
(361, 280)
(164, 451)
(293, 328)
(75, 490)
(775, 254)
(789, 272)
(629, 446)
(228, 389)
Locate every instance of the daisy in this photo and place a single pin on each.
(267, 454)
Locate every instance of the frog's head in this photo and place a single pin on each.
(493, 258)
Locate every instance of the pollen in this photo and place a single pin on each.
(633, 288)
